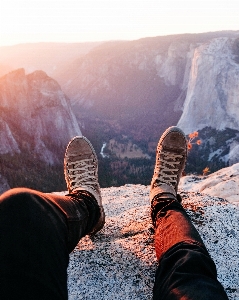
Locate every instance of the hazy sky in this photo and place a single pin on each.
(24, 21)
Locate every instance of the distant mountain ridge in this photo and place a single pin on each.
(49, 57)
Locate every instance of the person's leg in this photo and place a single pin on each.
(33, 247)
(186, 270)
(37, 231)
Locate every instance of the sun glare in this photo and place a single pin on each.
(92, 20)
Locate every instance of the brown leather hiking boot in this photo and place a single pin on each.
(81, 172)
(171, 157)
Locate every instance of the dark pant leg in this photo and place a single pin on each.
(37, 231)
(186, 270)
(82, 212)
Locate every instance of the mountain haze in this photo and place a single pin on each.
(49, 57)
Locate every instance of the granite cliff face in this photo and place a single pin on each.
(35, 115)
(213, 90)
(36, 124)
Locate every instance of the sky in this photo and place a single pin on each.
(30, 21)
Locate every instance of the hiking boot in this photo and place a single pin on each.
(81, 172)
(171, 157)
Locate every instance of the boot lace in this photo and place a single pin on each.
(82, 173)
(167, 168)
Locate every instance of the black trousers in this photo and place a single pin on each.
(38, 231)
